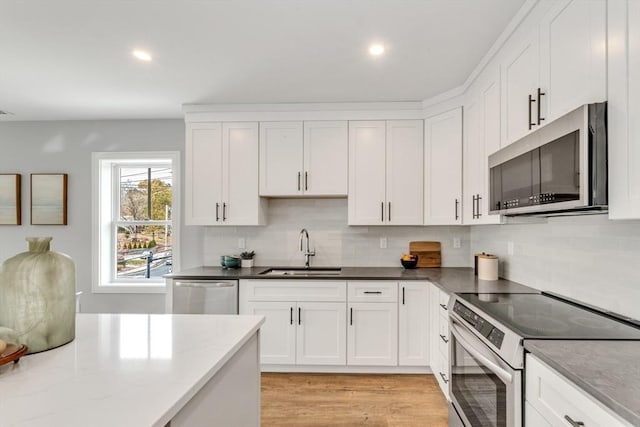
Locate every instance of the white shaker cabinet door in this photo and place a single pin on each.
(367, 175)
(203, 173)
(241, 204)
(281, 171)
(326, 152)
(443, 169)
(413, 324)
(519, 85)
(372, 334)
(278, 333)
(405, 180)
(321, 333)
(624, 108)
(573, 56)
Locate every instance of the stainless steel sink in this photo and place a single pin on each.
(320, 271)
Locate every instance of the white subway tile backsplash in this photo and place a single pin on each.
(588, 258)
(334, 241)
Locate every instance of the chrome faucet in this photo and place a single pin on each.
(307, 253)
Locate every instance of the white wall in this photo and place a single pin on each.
(335, 243)
(66, 147)
(588, 258)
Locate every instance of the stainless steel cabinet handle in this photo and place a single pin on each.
(444, 307)
(224, 212)
(203, 284)
(389, 212)
(403, 295)
(217, 212)
(478, 213)
(573, 423)
(299, 316)
(291, 316)
(540, 94)
(351, 316)
(531, 101)
(473, 207)
(382, 211)
(457, 203)
(444, 377)
(373, 292)
(306, 181)
(444, 339)
(298, 181)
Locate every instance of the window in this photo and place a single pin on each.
(135, 213)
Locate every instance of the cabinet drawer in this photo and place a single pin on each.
(443, 337)
(554, 397)
(444, 302)
(372, 291)
(293, 290)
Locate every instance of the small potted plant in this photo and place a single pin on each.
(247, 258)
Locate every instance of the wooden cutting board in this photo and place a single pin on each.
(429, 253)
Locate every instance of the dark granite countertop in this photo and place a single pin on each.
(449, 279)
(607, 370)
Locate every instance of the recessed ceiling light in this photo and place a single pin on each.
(142, 55)
(376, 49)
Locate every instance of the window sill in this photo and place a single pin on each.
(129, 288)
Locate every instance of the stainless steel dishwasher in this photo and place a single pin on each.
(205, 296)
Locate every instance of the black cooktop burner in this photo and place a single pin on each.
(542, 316)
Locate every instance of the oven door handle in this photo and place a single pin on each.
(460, 335)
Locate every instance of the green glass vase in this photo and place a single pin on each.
(37, 296)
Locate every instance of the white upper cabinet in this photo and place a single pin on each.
(573, 56)
(519, 89)
(560, 65)
(386, 172)
(325, 163)
(624, 108)
(203, 172)
(221, 174)
(303, 159)
(281, 158)
(481, 139)
(443, 168)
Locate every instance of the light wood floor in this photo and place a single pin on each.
(352, 400)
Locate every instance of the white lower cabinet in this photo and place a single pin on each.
(305, 320)
(413, 324)
(553, 400)
(372, 338)
(439, 337)
(321, 333)
(278, 333)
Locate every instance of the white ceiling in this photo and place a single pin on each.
(67, 59)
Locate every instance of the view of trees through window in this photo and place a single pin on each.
(144, 235)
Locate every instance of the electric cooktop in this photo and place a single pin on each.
(544, 316)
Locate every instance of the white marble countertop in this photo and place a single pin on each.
(121, 370)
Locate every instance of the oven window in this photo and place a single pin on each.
(480, 394)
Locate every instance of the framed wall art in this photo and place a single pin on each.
(10, 200)
(48, 199)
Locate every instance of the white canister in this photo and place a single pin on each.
(487, 267)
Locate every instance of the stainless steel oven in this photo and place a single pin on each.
(485, 391)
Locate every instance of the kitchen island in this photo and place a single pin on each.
(140, 370)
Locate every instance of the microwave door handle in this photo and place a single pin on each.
(459, 335)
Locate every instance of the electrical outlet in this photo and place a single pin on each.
(456, 243)
(510, 248)
(241, 243)
(383, 243)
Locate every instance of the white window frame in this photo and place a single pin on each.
(104, 199)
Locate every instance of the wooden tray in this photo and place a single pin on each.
(429, 253)
(12, 353)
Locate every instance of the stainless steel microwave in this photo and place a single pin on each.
(558, 169)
